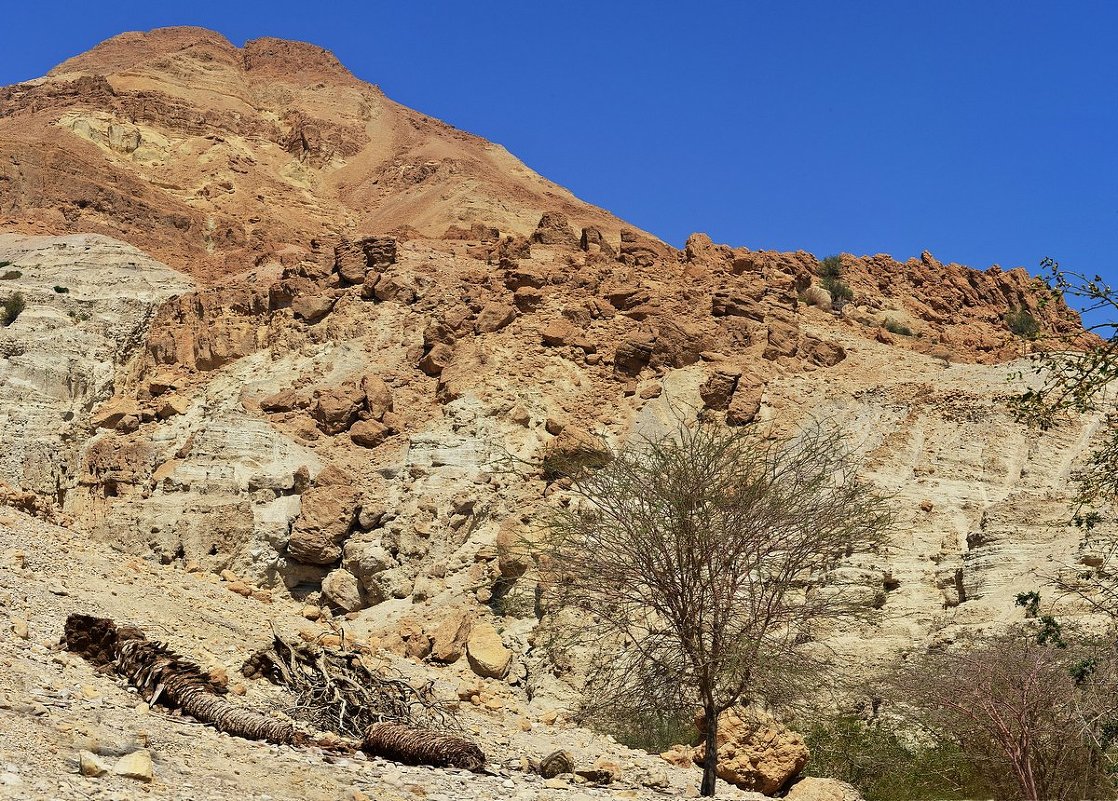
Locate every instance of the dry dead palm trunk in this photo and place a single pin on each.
(162, 676)
(421, 747)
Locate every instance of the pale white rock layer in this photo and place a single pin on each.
(61, 356)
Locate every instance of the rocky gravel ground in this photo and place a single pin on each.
(54, 705)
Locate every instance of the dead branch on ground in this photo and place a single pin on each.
(335, 691)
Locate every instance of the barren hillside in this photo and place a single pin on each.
(282, 337)
(214, 158)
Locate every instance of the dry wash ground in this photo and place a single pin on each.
(53, 704)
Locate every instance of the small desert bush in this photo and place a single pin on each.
(654, 732)
(61, 290)
(884, 767)
(1033, 713)
(11, 275)
(894, 327)
(830, 267)
(830, 279)
(840, 291)
(11, 308)
(1022, 323)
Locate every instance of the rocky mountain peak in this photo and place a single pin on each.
(214, 158)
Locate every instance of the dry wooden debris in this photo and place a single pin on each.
(164, 677)
(335, 691)
(422, 747)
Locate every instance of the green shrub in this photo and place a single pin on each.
(831, 267)
(11, 309)
(11, 275)
(840, 291)
(884, 768)
(5, 264)
(893, 327)
(1022, 323)
(648, 731)
(61, 290)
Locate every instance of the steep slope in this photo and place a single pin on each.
(213, 158)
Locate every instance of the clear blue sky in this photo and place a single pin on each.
(983, 131)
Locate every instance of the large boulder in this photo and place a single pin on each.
(368, 433)
(718, 389)
(755, 752)
(554, 229)
(366, 558)
(448, 640)
(494, 317)
(489, 658)
(821, 352)
(354, 260)
(783, 336)
(572, 452)
(633, 354)
(310, 308)
(593, 240)
(437, 359)
(378, 397)
(678, 345)
(328, 514)
(513, 550)
(815, 789)
(340, 588)
(640, 250)
(336, 408)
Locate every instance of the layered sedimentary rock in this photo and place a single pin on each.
(213, 157)
(361, 414)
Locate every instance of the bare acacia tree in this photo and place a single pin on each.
(1033, 718)
(709, 555)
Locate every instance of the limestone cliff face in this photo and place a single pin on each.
(368, 435)
(360, 420)
(88, 301)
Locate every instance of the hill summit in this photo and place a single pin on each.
(210, 156)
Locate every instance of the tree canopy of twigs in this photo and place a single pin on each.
(1075, 372)
(707, 557)
(1031, 714)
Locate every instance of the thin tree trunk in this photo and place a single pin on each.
(710, 757)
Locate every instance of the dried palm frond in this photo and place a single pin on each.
(92, 638)
(554, 764)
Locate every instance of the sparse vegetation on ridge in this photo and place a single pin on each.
(894, 327)
(1022, 323)
(830, 278)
